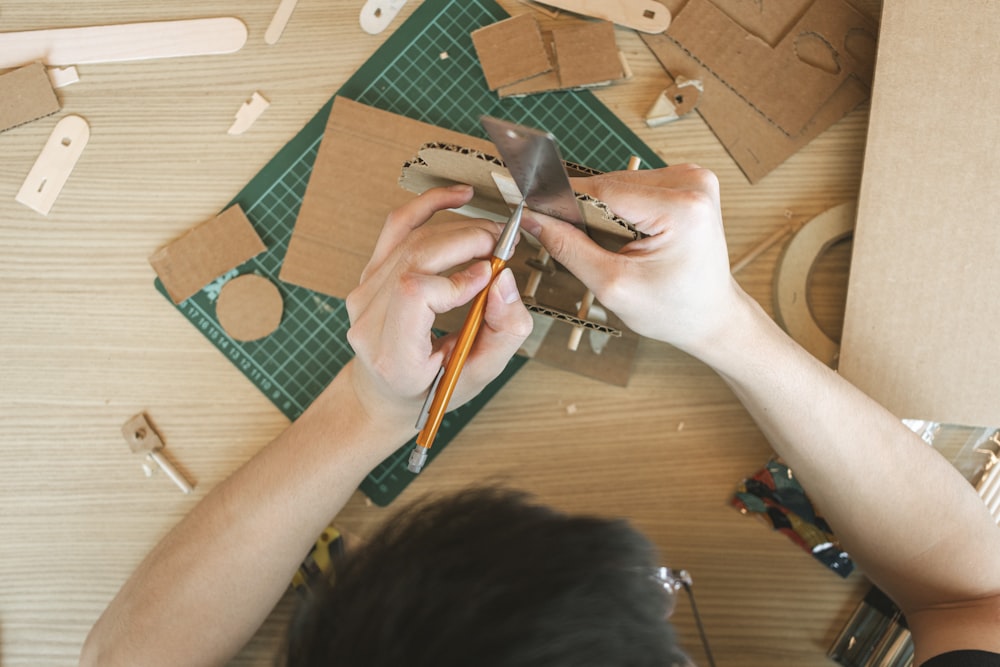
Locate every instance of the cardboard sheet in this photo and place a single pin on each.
(25, 95)
(757, 143)
(923, 302)
(205, 252)
(790, 80)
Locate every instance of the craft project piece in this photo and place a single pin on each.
(51, 170)
(25, 95)
(790, 80)
(678, 100)
(376, 15)
(642, 15)
(511, 50)
(249, 307)
(791, 284)
(63, 76)
(923, 299)
(774, 495)
(205, 252)
(756, 144)
(248, 114)
(279, 21)
(129, 41)
(582, 53)
(142, 438)
(763, 246)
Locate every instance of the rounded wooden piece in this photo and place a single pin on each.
(249, 307)
(791, 284)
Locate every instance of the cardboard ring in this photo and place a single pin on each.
(791, 285)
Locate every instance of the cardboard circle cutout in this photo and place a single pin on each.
(249, 307)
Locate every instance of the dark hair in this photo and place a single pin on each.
(488, 578)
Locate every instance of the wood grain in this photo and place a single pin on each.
(86, 342)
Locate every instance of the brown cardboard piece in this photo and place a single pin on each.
(511, 50)
(26, 94)
(923, 301)
(354, 186)
(205, 252)
(582, 53)
(756, 144)
(790, 80)
(249, 307)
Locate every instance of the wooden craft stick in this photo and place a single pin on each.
(279, 21)
(248, 113)
(753, 253)
(642, 15)
(128, 41)
(54, 165)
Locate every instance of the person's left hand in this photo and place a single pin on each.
(403, 288)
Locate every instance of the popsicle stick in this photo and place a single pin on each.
(279, 21)
(128, 41)
(642, 15)
(54, 165)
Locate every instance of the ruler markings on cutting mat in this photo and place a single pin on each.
(427, 70)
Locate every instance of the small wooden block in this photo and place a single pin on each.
(249, 307)
(55, 163)
(511, 50)
(248, 113)
(25, 95)
(205, 252)
(140, 435)
(63, 76)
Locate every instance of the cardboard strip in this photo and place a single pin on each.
(51, 170)
(205, 252)
(25, 95)
(129, 41)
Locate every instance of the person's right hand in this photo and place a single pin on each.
(673, 285)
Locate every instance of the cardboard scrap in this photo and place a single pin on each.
(679, 99)
(249, 307)
(756, 143)
(923, 300)
(511, 50)
(354, 186)
(205, 252)
(572, 55)
(26, 94)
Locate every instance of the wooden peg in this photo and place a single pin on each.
(142, 438)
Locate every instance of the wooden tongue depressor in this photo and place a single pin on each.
(642, 15)
(279, 21)
(128, 41)
(54, 164)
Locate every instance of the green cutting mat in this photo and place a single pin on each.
(426, 70)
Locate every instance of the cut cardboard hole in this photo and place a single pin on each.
(249, 307)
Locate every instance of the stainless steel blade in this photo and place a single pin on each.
(533, 159)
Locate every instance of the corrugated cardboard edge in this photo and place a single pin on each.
(923, 301)
(440, 164)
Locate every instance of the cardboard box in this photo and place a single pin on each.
(923, 304)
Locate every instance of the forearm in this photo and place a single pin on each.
(206, 588)
(901, 510)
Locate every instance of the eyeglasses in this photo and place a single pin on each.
(672, 582)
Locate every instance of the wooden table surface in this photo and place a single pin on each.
(86, 342)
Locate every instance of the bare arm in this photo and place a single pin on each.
(205, 589)
(902, 511)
